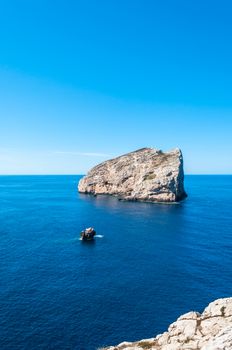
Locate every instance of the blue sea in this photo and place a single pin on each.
(149, 263)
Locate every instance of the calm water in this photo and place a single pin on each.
(153, 263)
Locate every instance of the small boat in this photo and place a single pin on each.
(88, 234)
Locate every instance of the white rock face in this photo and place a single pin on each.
(211, 330)
(145, 175)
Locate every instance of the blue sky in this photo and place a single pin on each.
(83, 81)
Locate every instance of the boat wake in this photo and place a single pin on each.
(96, 236)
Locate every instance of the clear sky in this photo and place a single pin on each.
(83, 81)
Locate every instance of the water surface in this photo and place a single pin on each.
(152, 263)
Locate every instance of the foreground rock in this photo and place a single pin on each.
(211, 330)
(145, 175)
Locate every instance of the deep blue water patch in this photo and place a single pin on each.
(153, 263)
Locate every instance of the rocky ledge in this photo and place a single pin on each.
(211, 330)
(146, 175)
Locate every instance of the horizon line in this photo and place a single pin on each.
(75, 174)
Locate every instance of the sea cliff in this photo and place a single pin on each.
(211, 330)
(147, 174)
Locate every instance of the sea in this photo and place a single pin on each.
(149, 263)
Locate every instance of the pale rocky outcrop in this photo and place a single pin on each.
(211, 330)
(145, 175)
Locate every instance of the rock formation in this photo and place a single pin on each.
(211, 330)
(146, 175)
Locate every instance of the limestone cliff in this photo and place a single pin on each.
(146, 175)
(211, 330)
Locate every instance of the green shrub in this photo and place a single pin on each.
(149, 176)
(145, 344)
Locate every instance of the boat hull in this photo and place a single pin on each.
(87, 236)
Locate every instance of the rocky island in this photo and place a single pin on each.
(147, 175)
(211, 330)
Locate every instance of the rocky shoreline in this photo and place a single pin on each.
(211, 330)
(146, 175)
